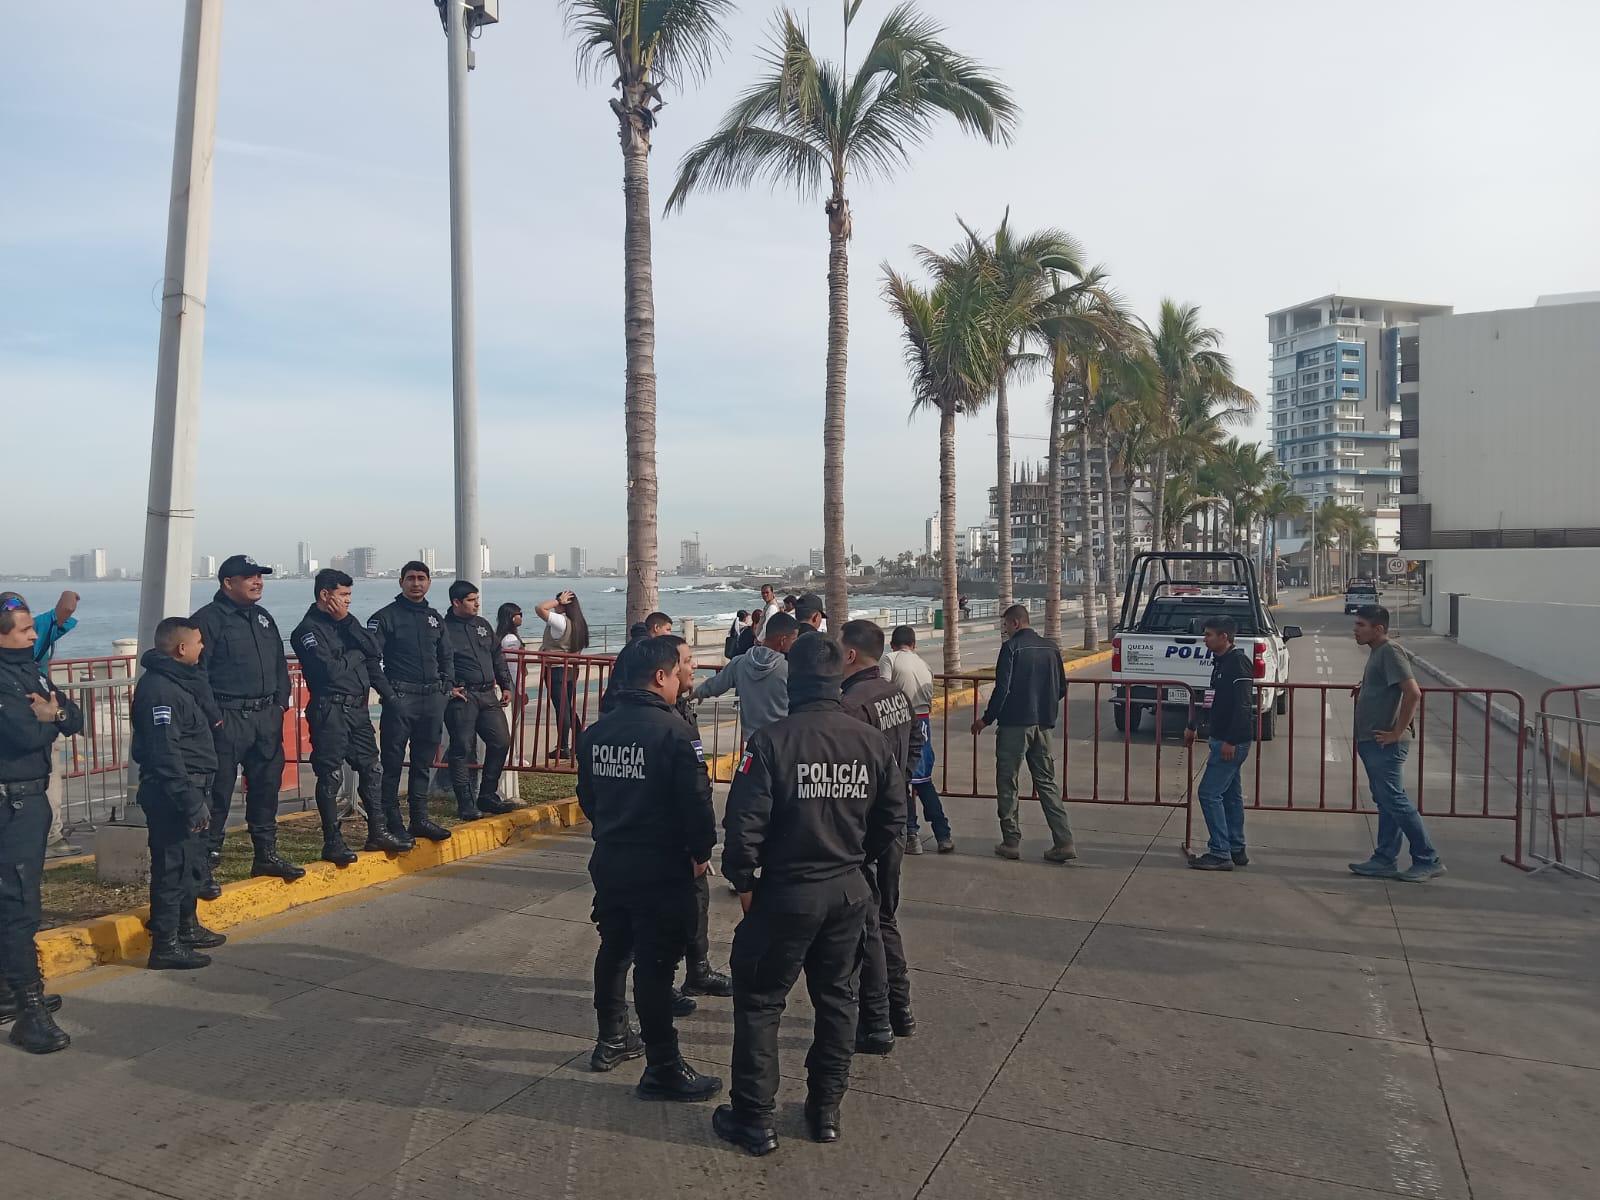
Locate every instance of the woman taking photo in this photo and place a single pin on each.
(565, 632)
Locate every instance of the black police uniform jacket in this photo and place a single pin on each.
(869, 697)
(338, 658)
(172, 733)
(816, 796)
(243, 657)
(412, 642)
(24, 741)
(642, 784)
(475, 652)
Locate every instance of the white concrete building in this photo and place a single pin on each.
(1334, 405)
(1500, 487)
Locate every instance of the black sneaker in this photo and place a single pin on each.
(703, 981)
(609, 1053)
(677, 1081)
(1210, 862)
(198, 937)
(754, 1139)
(1241, 859)
(270, 865)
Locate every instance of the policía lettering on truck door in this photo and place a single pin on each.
(1199, 653)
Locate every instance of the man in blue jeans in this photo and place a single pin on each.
(1385, 704)
(1230, 722)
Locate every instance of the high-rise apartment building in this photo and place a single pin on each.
(1335, 406)
(816, 561)
(544, 564)
(91, 564)
(208, 566)
(363, 562)
(428, 556)
(578, 559)
(622, 564)
(485, 565)
(304, 563)
(690, 560)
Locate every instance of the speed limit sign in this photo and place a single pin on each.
(1397, 566)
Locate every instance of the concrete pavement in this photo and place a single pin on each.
(1121, 1028)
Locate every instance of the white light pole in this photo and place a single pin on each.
(169, 523)
(461, 18)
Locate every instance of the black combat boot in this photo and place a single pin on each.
(423, 826)
(676, 1080)
(496, 806)
(35, 1029)
(874, 1041)
(335, 851)
(466, 808)
(210, 889)
(397, 824)
(379, 836)
(902, 1020)
(196, 936)
(701, 980)
(269, 864)
(10, 1005)
(822, 1122)
(754, 1137)
(682, 1005)
(618, 1042)
(170, 954)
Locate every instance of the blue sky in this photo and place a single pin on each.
(1241, 155)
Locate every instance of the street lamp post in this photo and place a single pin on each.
(461, 19)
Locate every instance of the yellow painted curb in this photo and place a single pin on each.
(122, 936)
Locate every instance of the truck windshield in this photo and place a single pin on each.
(1187, 615)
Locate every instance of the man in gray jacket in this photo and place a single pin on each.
(760, 676)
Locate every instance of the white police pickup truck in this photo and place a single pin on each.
(1158, 650)
(1358, 593)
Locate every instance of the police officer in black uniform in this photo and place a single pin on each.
(643, 786)
(477, 713)
(172, 718)
(885, 984)
(419, 664)
(245, 665)
(340, 663)
(33, 713)
(816, 795)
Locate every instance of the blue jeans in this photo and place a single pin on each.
(1222, 799)
(932, 808)
(1397, 816)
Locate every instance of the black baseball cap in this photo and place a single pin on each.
(807, 604)
(240, 564)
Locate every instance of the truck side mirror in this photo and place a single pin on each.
(1290, 632)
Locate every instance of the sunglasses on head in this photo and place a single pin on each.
(13, 603)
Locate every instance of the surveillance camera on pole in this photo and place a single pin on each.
(463, 20)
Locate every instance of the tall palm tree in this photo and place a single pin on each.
(1189, 365)
(953, 342)
(813, 125)
(642, 45)
(1113, 415)
(1279, 501)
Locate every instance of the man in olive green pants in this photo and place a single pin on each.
(1029, 684)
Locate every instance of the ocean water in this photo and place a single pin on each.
(109, 610)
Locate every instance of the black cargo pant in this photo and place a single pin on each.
(250, 737)
(647, 925)
(341, 732)
(478, 716)
(24, 828)
(416, 720)
(885, 984)
(811, 927)
(177, 859)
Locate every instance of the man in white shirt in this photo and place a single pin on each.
(904, 667)
(770, 605)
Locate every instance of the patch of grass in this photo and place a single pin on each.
(72, 893)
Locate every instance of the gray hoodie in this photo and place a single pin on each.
(761, 677)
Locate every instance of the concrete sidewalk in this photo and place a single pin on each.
(1121, 1028)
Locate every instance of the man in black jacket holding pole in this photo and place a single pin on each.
(172, 717)
(1230, 721)
(33, 713)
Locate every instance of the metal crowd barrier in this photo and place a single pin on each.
(1564, 797)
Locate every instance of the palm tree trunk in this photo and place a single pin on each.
(1002, 492)
(1158, 489)
(947, 539)
(1127, 521)
(1091, 617)
(1052, 543)
(639, 333)
(833, 545)
(1108, 533)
